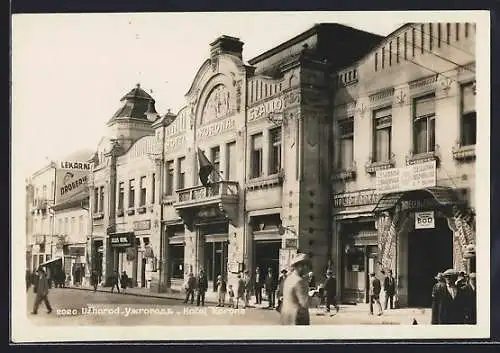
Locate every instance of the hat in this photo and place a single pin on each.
(329, 272)
(472, 275)
(300, 258)
(439, 276)
(219, 277)
(449, 273)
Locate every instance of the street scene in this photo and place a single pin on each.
(253, 180)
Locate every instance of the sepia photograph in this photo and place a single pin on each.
(194, 173)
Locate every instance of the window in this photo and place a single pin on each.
(66, 226)
(169, 186)
(215, 157)
(439, 35)
(376, 61)
(96, 200)
(406, 45)
(60, 229)
(457, 31)
(80, 225)
(181, 173)
(382, 135)
(424, 124)
(383, 57)
(346, 144)
(153, 188)
(390, 53)
(73, 225)
(275, 157)
(131, 193)
(448, 33)
(430, 36)
(142, 195)
(422, 38)
(256, 160)
(121, 195)
(231, 161)
(101, 199)
(466, 30)
(468, 124)
(397, 50)
(413, 42)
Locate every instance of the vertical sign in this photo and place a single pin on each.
(71, 179)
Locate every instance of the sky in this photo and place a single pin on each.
(69, 71)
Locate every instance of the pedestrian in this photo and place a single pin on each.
(202, 285)
(330, 291)
(390, 290)
(94, 279)
(375, 289)
(221, 291)
(240, 290)
(258, 286)
(114, 282)
(230, 292)
(471, 306)
(452, 309)
(124, 281)
(190, 286)
(271, 285)
(28, 279)
(248, 287)
(295, 307)
(279, 292)
(437, 294)
(42, 292)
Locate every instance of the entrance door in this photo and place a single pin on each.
(216, 260)
(267, 255)
(429, 251)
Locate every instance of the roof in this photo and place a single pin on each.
(135, 105)
(83, 155)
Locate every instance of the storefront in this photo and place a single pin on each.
(124, 251)
(176, 248)
(267, 242)
(215, 250)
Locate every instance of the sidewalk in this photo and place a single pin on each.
(352, 313)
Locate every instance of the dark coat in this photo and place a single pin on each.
(202, 283)
(330, 287)
(452, 311)
(375, 286)
(124, 281)
(471, 305)
(271, 282)
(437, 292)
(258, 280)
(389, 285)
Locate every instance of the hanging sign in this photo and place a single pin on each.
(424, 220)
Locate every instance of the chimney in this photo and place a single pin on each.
(226, 45)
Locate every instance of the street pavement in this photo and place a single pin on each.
(83, 307)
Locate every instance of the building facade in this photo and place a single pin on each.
(409, 102)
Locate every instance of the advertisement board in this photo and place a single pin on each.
(412, 177)
(424, 220)
(71, 179)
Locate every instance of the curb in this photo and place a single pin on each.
(143, 295)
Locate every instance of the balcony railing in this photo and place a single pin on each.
(227, 190)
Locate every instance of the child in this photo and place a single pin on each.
(240, 290)
(221, 291)
(231, 296)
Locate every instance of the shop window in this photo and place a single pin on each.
(181, 173)
(355, 259)
(96, 200)
(232, 163)
(346, 147)
(169, 186)
(215, 157)
(121, 195)
(382, 135)
(131, 193)
(142, 195)
(101, 199)
(424, 124)
(468, 123)
(275, 150)
(153, 188)
(256, 166)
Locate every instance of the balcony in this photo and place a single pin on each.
(219, 200)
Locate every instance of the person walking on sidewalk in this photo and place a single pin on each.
(279, 292)
(248, 287)
(390, 290)
(124, 281)
(295, 307)
(202, 288)
(437, 295)
(94, 279)
(375, 289)
(271, 285)
(114, 282)
(240, 290)
(190, 286)
(42, 291)
(330, 287)
(221, 291)
(258, 285)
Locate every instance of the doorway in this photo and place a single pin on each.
(429, 251)
(216, 261)
(267, 255)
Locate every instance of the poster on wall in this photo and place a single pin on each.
(71, 179)
(424, 220)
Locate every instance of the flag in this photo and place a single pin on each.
(205, 167)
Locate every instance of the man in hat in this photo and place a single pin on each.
(42, 292)
(258, 284)
(271, 285)
(437, 293)
(295, 308)
(375, 289)
(471, 298)
(202, 286)
(279, 292)
(453, 301)
(330, 291)
(390, 290)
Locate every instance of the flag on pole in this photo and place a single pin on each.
(205, 167)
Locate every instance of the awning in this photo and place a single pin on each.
(51, 261)
(445, 196)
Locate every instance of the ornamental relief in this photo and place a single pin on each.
(217, 105)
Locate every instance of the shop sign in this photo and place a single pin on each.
(424, 220)
(71, 179)
(119, 240)
(412, 177)
(291, 243)
(358, 198)
(275, 105)
(142, 225)
(174, 142)
(215, 128)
